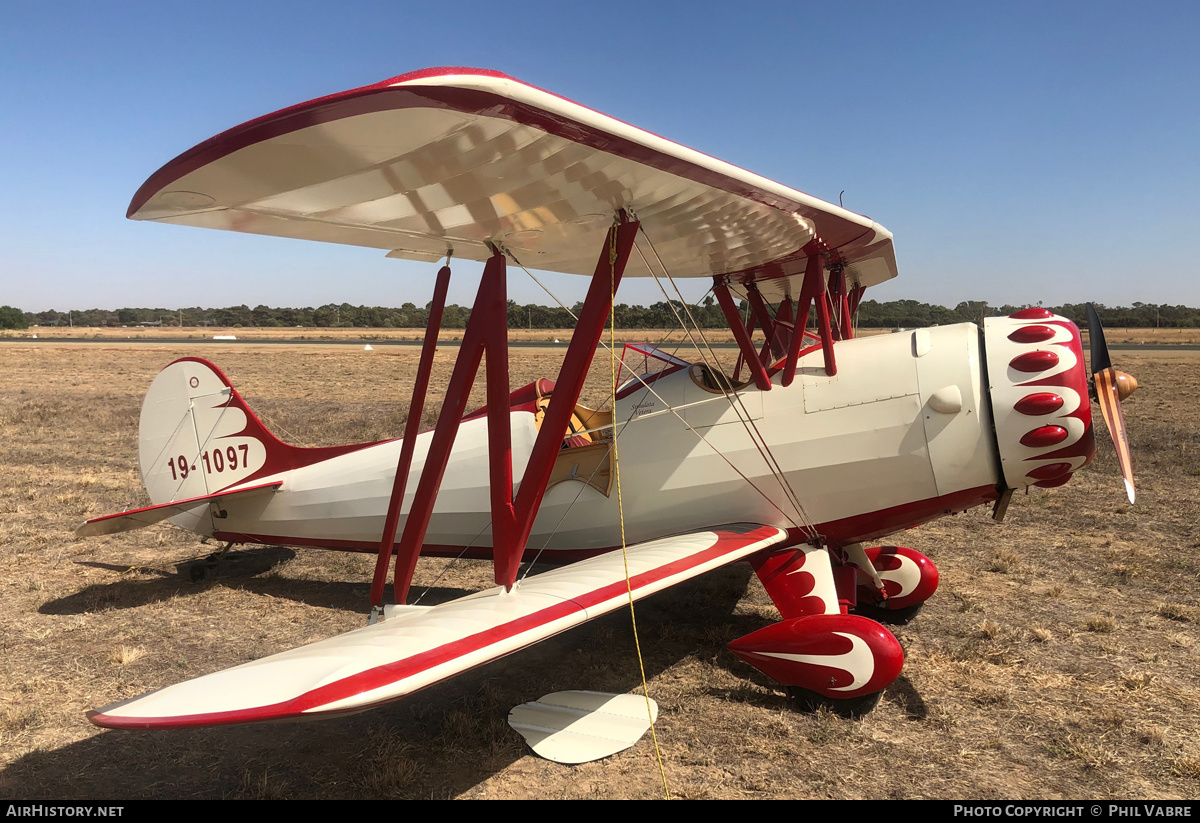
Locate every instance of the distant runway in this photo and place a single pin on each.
(288, 341)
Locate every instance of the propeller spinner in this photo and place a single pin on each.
(1110, 387)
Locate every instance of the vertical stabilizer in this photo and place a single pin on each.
(196, 435)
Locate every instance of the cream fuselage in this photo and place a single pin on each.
(901, 434)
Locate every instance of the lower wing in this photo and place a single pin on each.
(419, 647)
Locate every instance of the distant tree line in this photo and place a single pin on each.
(407, 316)
(914, 314)
(871, 314)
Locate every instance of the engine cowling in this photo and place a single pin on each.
(1038, 382)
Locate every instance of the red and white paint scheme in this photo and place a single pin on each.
(827, 443)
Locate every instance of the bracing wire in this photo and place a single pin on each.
(446, 569)
(747, 421)
(612, 358)
(735, 399)
(668, 407)
(274, 425)
(567, 511)
(805, 523)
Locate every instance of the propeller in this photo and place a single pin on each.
(1110, 387)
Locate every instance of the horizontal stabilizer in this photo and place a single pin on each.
(141, 518)
(388, 660)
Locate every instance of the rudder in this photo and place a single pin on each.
(196, 435)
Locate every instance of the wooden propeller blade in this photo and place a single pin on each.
(1110, 408)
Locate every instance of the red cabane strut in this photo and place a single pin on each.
(487, 333)
(784, 333)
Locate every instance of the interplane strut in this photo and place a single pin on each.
(487, 334)
(785, 332)
(411, 428)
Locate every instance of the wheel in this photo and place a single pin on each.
(892, 617)
(852, 708)
(198, 572)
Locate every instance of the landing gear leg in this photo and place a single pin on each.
(892, 617)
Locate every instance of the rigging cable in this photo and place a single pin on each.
(668, 407)
(450, 565)
(747, 421)
(736, 403)
(612, 359)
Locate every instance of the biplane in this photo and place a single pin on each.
(816, 446)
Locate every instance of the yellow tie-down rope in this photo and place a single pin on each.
(612, 359)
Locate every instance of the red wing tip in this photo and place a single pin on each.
(100, 718)
(105, 718)
(107, 721)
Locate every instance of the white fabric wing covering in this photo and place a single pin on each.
(385, 661)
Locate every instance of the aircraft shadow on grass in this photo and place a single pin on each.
(238, 570)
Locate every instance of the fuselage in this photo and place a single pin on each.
(901, 434)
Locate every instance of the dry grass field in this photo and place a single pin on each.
(1058, 659)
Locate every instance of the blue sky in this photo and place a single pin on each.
(1019, 152)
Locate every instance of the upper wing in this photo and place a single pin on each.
(375, 664)
(459, 158)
